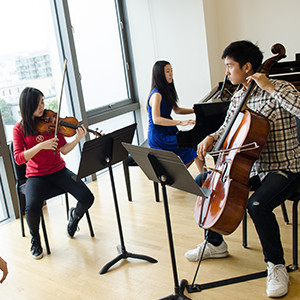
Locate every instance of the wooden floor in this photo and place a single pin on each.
(72, 269)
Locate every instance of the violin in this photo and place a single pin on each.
(66, 126)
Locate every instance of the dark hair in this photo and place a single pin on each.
(243, 52)
(160, 82)
(29, 101)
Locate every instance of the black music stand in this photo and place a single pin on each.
(158, 165)
(102, 153)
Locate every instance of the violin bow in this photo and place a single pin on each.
(60, 98)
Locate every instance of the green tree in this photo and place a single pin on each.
(6, 113)
(52, 105)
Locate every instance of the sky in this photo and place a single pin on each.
(23, 24)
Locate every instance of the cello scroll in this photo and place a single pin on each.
(277, 49)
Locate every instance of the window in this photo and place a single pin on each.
(28, 46)
(37, 38)
(25, 52)
(99, 52)
(3, 206)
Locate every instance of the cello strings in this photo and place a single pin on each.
(240, 148)
(246, 147)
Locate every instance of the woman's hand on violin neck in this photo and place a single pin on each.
(80, 132)
(262, 81)
(204, 147)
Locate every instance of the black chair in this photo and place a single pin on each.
(19, 173)
(285, 217)
(129, 162)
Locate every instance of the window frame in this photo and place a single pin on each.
(63, 29)
(8, 182)
(73, 90)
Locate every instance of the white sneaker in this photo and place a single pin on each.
(210, 251)
(277, 280)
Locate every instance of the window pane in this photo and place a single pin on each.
(114, 123)
(99, 52)
(3, 205)
(28, 57)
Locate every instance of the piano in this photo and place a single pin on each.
(211, 110)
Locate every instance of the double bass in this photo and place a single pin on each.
(238, 148)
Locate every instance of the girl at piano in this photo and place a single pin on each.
(161, 102)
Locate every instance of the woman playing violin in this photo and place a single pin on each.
(276, 174)
(45, 167)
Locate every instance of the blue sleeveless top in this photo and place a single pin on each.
(164, 137)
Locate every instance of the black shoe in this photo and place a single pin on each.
(36, 249)
(73, 223)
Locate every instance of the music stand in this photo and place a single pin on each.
(102, 153)
(158, 165)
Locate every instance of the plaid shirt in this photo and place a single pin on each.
(282, 149)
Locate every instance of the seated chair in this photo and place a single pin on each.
(295, 198)
(129, 162)
(19, 173)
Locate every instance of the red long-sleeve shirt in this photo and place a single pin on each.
(43, 163)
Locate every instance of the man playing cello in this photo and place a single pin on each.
(276, 174)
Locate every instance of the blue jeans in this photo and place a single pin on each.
(276, 187)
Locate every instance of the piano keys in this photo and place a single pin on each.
(210, 114)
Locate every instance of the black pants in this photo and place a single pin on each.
(276, 187)
(37, 189)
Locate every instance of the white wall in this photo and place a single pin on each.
(171, 30)
(264, 22)
(192, 34)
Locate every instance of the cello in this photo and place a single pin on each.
(223, 210)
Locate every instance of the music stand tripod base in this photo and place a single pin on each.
(158, 165)
(121, 248)
(194, 288)
(124, 255)
(178, 293)
(102, 153)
